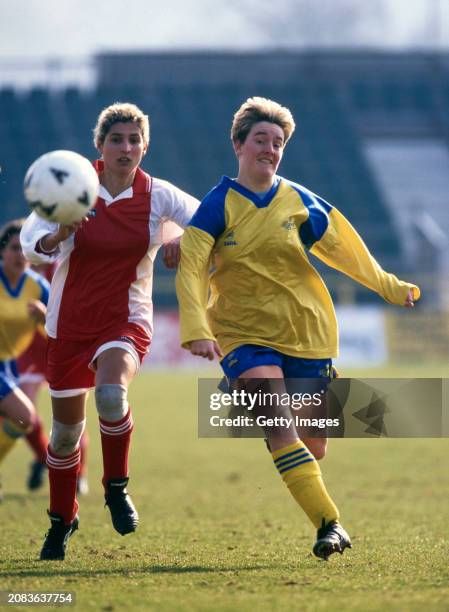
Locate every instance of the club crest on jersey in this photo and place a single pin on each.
(289, 224)
(229, 239)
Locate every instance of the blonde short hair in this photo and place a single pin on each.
(259, 109)
(121, 112)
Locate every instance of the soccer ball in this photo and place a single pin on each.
(61, 186)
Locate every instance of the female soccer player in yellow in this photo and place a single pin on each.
(23, 295)
(269, 314)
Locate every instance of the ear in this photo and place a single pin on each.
(237, 146)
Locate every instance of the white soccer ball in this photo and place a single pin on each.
(61, 186)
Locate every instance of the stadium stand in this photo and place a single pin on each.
(339, 102)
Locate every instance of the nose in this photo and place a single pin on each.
(126, 146)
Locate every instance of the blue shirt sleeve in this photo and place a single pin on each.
(45, 287)
(210, 215)
(43, 284)
(317, 222)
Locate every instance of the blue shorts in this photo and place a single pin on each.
(249, 356)
(9, 377)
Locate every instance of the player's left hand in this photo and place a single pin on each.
(171, 253)
(409, 301)
(37, 311)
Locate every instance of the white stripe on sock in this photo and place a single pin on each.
(117, 430)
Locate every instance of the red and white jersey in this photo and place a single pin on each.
(104, 276)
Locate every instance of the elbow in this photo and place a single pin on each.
(29, 253)
(33, 256)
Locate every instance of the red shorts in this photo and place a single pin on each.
(71, 364)
(31, 362)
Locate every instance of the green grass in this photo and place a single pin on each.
(219, 530)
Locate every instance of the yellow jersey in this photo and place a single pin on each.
(251, 251)
(17, 327)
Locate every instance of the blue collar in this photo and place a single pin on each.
(259, 202)
(12, 292)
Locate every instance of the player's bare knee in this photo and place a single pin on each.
(15, 428)
(23, 415)
(29, 427)
(26, 422)
(65, 439)
(111, 402)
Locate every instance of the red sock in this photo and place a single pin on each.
(38, 441)
(84, 444)
(63, 474)
(115, 441)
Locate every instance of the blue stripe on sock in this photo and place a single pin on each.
(298, 450)
(299, 456)
(290, 467)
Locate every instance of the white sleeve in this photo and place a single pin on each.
(172, 207)
(33, 230)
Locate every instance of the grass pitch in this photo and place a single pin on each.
(219, 530)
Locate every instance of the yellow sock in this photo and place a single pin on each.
(10, 432)
(302, 475)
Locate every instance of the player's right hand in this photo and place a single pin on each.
(410, 299)
(205, 348)
(64, 231)
(50, 242)
(37, 311)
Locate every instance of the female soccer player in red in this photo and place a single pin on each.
(269, 312)
(23, 295)
(99, 318)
